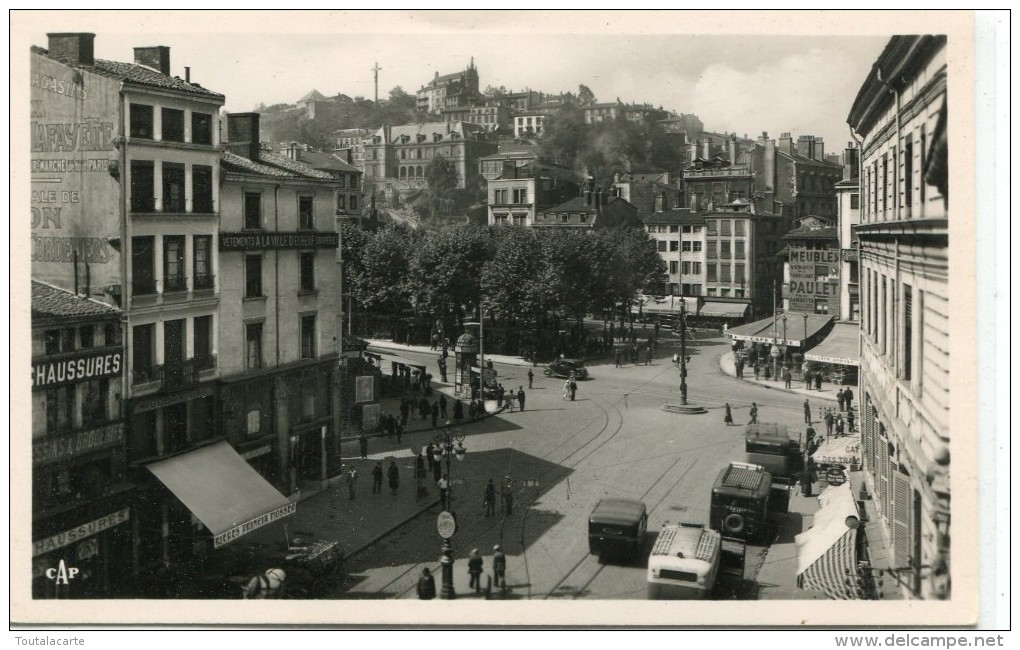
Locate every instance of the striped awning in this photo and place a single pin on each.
(839, 346)
(827, 552)
(798, 329)
(723, 309)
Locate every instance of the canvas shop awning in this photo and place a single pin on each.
(770, 330)
(845, 450)
(827, 552)
(839, 346)
(220, 488)
(723, 309)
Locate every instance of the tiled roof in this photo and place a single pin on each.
(462, 129)
(139, 74)
(313, 95)
(326, 161)
(808, 232)
(271, 165)
(52, 302)
(576, 204)
(676, 216)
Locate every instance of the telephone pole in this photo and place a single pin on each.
(376, 70)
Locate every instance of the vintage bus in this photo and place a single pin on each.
(743, 501)
(771, 446)
(617, 527)
(684, 562)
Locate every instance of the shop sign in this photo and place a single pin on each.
(154, 403)
(79, 533)
(364, 388)
(240, 241)
(835, 477)
(850, 255)
(77, 368)
(88, 549)
(252, 524)
(446, 524)
(62, 448)
(814, 274)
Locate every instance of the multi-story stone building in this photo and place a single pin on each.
(459, 89)
(346, 177)
(494, 165)
(81, 500)
(517, 195)
(679, 236)
(401, 153)
(848, 203)
(350, 145)
(811, 268)
(279, 311)
(589, 211)
(900, 114)
(492, 116)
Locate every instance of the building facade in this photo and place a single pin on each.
(680, 237)
(521, 192)
(456, 90)
(400, 154)
(740, 257)
(350, 145)
(279, 311)
(848, 204)
(81, 498)
(811, 278)
(492, 116)
(589, 211)
(900, 114)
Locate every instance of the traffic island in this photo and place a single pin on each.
(684, 409)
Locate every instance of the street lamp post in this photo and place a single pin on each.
(786, 346)
(683, 351)
(445, 447)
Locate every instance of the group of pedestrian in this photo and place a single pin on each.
(570, 389)
(845, 399)
(634, 354)
(506, 493)
(812, 377)
(475, 567)
(377, 479)
(738, 366)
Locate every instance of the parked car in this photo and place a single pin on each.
(566, 368)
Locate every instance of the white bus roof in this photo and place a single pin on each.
(690, 545)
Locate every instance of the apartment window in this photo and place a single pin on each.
(253, 345)
(673, 267)
(687, 268)
(253, 276)
(920, 336)
(306, 213)
(141, 121)
(908, 174)
(353, 202)
(739, 227)
(686, 246)
(173, 263)
(521, 195)
(821, 305)
(854, 273)
(712, 276)
(173, 187)
(883, 316)
(203, 341)
(111, 334)
(143, 345)
(201, 128)
(94, 403)
(710, 250)
(252, 210)
(725, 275)
(724, 292)
(920, 165)
(697, 247)
(885, 185)
(855, 201)
(564, 218)
(202, 262)
(875, 191)
(738, 273)
(674, 246)
(696, 268)
(173, 125)
(307, 271)
(739, 254)
(661, 244)
(60, 409)
(341, 202)
(908, 330)
(724, 249)
(143, 269)
(583, 217)
(724, 227)
(308, 337)
(201, 189)
(143, 186)
(341, 181)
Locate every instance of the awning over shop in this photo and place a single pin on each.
(667, 304)
(827, 552)
(770, 330)
(723, 309)
(845, 450)
(226, 494)
(388, 358)
(839, 346)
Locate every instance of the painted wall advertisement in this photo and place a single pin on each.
(75, 199)
(814, 280)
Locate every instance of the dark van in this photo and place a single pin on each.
(744, 499)
(617, 527)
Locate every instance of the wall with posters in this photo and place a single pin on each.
(75, 196)
(814, 280)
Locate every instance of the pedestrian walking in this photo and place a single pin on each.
(489, 500)
(848, 397)
(352, 483)
(807, 412)
(498, 566)
(728, 418)
(394, 476)
(405, 410)
(520, 397)
(398, 429)
(475, 569)
(767, 372)
(442, 369)
(444, 492)
(573, 389)
(458, 411)
(473, 409)
(508, 496)
(739, 368)
(511, 399)
(787, 377)
(818, 381)
(435, 413)
(617, 358)
(648, 355)
(424, 408)
(828, 422)
(442, 406)
(566, 390)
(531, 378)
(426, 585)
(377, 475)
(757, 371)
(841, 399)
(807, 380)
(850, 421)
(839, 426)
(500, 393)
(363, 443)
(676, 359)
(754, 413)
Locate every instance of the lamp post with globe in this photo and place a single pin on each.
(448, 443)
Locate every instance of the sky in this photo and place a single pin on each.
(745, 83)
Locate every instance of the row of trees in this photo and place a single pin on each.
(522, 275)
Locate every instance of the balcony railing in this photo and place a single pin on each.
(177, 374)
(207, 362)
(204, 281)
(143, 204)
(143, 287)
(175, 283)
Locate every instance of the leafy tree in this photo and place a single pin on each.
(496, 92)
(565, 135)
(402, 100)
(585, 97)
(517, 280)
(382, 277)
(441, 175)
(445, 269)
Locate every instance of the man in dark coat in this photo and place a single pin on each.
(394, 475)
(475, 568)
(508, 497)
(458, 411)
(754, 413)
(489, 500)
(828, 422)
(405, 410)
(363, 443)
(520, 396)
(573, 389)
(377, 478)
(841, 399)
(424, 408)
(498, 566)
(426, 585)
(850, 422)
(435, 413)
(848, 396)
(531, 378)
(442, 406)
(818, 381)
(807, 412)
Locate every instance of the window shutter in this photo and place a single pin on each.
(902, 505)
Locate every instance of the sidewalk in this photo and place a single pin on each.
(777, 578)
(828, 391)
(384, 344)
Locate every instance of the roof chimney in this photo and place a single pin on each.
(706, 149)
(243, 134)
(733, 150)
(76, 48)
(156, 57)
(819, 149)
(660, 202)
(187, 74)
(785, 143)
